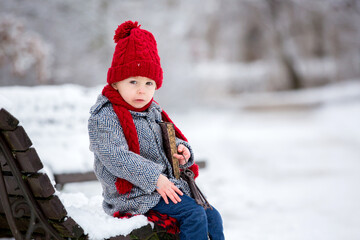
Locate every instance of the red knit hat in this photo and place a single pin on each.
(135, 55)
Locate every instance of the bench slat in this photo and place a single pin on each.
(52, 207)
(7, 121)
(39, 184)
(28, 161)
(69, 228)
(5, 233)
(17, 139)
(3, 162)
(21, 223)
(74, 177)
(121, 238)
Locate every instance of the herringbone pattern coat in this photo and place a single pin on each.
(113, 159)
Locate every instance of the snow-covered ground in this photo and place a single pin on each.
(273, 174)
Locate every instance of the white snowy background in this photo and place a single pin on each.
(273, 171)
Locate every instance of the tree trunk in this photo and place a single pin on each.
(284, 57)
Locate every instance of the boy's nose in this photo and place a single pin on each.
(140, 90)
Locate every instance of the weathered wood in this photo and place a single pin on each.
(140, 233)
(21, 223)
(74, 177)
(144, 232)
(68, 228)
(169, 140)
(28, 161)
(17, 139)
(5, 233)
(39, 184)
(52, 207)
(7, 121)
(147, 232)
(201, 164)
(121, 238)
(3, 162)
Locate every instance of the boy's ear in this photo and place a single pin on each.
(114, 86)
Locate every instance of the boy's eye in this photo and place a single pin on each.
(133, 82)
(149, 83)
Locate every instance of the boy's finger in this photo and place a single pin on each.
(177, 198)
(181, 148)
(178, 156)
(173, 191)
(163, 195)
(178, 191)
(171, 194)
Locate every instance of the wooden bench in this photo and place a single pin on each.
(28, 208)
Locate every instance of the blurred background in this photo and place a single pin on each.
(206, 47)
(272, 86)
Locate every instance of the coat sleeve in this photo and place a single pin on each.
(108, 142)
(186, 144)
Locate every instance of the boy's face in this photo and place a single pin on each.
(136, 91)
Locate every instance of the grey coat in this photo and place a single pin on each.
(113, 159)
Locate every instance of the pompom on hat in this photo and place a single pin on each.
(135, 54)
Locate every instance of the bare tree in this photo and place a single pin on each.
(21, 50)
(275, 8)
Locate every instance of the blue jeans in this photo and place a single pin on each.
(195, 222)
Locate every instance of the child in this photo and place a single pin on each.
(127, 142)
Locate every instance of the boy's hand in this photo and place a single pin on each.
(182, 150)
(168, 189)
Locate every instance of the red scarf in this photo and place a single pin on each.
(121, 109)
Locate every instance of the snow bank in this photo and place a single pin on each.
(88, 213)
(55, 118)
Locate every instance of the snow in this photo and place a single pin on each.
(273, 173)
(55, 118)
(88, 213)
